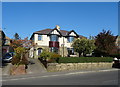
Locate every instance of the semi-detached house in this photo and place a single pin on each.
(54, 40)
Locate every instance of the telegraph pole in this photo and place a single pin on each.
(0, 47)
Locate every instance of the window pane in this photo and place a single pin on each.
(39, 37)
(53, 38)
(54, 49)
(70, 51)
(70, 39)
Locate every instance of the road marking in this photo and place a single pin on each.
(59, 75)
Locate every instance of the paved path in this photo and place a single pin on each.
(35, 66)
(6, 69)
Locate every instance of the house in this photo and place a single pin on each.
(118, 41)
(2, 38)
(2, 41)
(6, 47)
(54, 40)
(4, 44)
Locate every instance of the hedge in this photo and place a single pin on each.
(84, 59)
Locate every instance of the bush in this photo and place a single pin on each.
(54, 55)
(24, 60)
(15, 60)
(19, 50)
(44, 55)
(115, 55)
(49, 56)
(84, 59)
(19, 57)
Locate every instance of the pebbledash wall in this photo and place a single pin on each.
(53, 67)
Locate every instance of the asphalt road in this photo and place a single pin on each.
(105, 77)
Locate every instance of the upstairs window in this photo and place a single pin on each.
(70, 39)
(53, 38)
(39, 37)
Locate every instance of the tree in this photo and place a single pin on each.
(90, 46)
(16, 36)
(21, 43)
(21, 48)
(84, 46)
(105, 43)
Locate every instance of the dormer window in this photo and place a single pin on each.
(39, 37)
(53, 38)
(70, 39)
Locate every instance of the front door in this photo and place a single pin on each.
(39, 51)
(70, 51)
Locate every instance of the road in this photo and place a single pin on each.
(104, 77)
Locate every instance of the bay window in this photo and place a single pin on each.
(53, 38)
(39, 37)
(70, 39)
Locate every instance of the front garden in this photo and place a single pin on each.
(54, 62)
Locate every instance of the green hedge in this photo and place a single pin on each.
(84, 59)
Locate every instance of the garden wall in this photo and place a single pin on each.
(77, 66)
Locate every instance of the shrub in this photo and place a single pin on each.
(24, 60)
(84, 59)
(19, 57)
(44, 55)
(15, 60)
(49, 56)
(55, 55)
(19, 50)
(115, 55)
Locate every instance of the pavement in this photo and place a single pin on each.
(34, 67)
(37, 75)
(6, 69)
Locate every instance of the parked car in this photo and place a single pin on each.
(116, 63)
(8, 57)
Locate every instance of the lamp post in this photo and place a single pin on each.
(63, 46)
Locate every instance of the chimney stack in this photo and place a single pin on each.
(58, 27)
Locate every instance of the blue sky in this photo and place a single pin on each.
(86, 18)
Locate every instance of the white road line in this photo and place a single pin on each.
(59, 75)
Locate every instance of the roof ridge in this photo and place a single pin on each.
(44, 29)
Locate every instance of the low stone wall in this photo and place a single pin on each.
(17, 70)
(77, 66)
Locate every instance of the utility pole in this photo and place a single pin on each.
(0, 43)
(1, 36)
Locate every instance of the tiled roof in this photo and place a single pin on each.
(47, 31)
(64, 33)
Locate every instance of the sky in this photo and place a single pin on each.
(86, 18)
